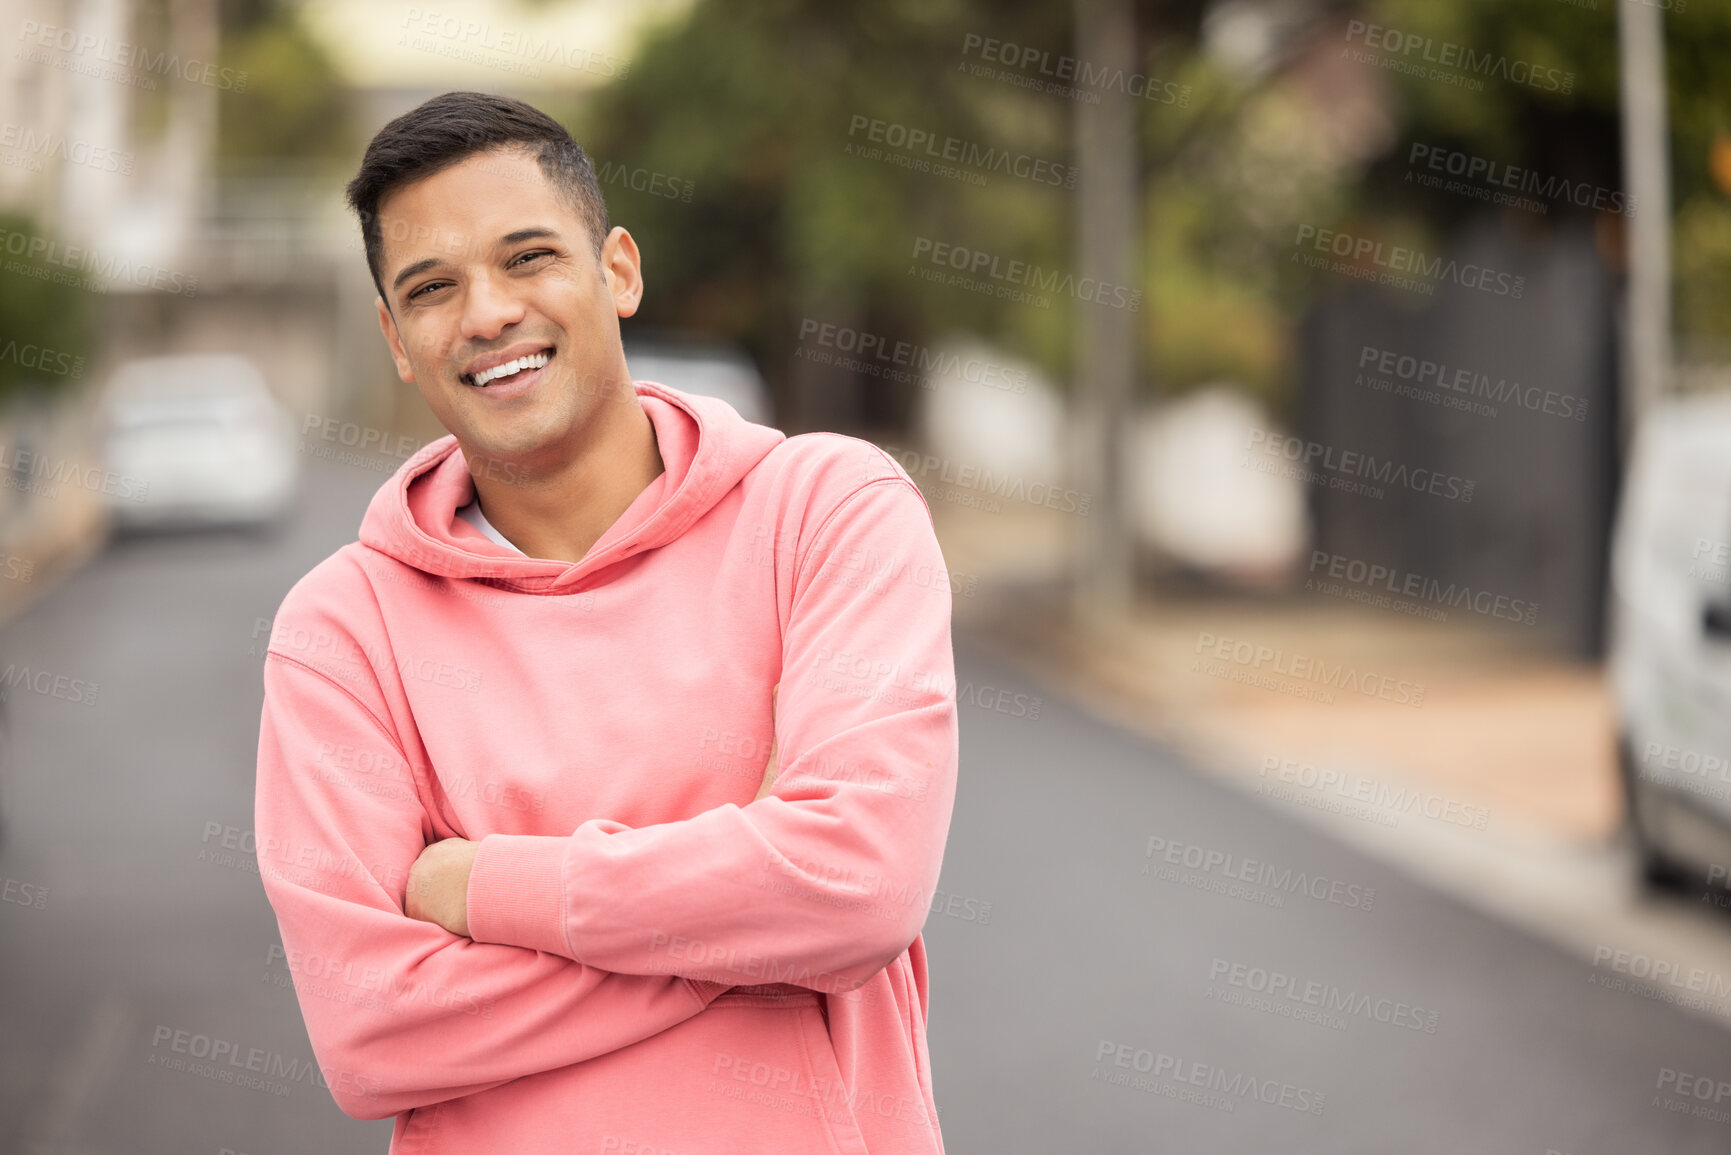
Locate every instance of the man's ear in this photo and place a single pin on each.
(388, 326)
(622, 268)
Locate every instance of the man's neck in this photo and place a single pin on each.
(561, 514)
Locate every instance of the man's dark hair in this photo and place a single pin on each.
(449, 129)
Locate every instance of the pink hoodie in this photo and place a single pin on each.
(659, 963)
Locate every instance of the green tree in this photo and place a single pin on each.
(294, 106)
(38, 314)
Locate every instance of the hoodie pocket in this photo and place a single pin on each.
(754, 1072)
(794, 1083)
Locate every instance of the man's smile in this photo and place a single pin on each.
(519, 365)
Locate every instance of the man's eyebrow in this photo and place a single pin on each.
(413, 270)
(531, 233)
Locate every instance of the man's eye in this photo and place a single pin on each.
(427, 288)
(533, 255)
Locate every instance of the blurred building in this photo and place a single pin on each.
(1522, 403)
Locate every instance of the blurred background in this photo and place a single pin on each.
(1324, 407)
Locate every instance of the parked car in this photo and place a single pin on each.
(197, 440)
(1670, 630)
(709, 370)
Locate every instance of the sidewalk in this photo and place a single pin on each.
(45, 537)
(1252, 688)
(1498, 787)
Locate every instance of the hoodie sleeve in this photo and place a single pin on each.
(827, 879)
(402, 1013)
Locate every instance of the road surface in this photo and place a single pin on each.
(1125, 957)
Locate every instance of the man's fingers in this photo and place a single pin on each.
(770, 769)
(769, 773)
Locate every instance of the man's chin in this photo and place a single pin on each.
(508, 456)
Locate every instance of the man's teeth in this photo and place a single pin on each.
(532, 361)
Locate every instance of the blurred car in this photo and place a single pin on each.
(709, 370)
(197, 440)
(1670, 631)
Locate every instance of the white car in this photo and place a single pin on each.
(707, 370)
(196, 440)
(1670, 640)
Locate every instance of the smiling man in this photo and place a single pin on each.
(603, 783)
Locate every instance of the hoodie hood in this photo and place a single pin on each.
(706, 448)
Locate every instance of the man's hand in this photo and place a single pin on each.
(439, 884)
(771, 770)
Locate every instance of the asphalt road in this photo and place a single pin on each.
(1090, 992)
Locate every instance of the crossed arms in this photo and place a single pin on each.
(577, 962)
(439, 880)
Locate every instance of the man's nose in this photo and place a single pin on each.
(489, 308)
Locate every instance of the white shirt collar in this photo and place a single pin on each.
(472, 514)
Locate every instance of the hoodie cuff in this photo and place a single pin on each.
(516, 893)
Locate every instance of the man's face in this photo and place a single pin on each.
(486, 268)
